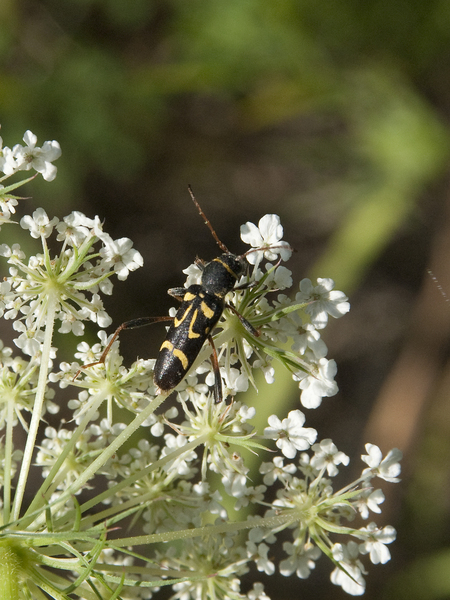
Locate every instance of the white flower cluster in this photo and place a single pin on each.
(64, 278)
(278, 321)
(177, 473)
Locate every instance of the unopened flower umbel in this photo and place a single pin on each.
(176, 474)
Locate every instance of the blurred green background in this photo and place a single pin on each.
(333, 115)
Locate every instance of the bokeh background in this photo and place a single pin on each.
(335, 115)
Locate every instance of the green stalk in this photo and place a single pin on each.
(9, 573)
(106, 454)
(8, 461)
(38, 404)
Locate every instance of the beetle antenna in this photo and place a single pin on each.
(207, 223)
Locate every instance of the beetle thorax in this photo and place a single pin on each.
(221, 274)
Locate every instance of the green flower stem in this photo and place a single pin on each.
(38, 404)
(45, 584)
(159, 464)
(8, 460)
(77, 260)
(111, 449)
(9, 573)
(39, 499)
(114, 513)
(279, 522)
(6, 191)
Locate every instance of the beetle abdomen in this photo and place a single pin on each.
(195, 319)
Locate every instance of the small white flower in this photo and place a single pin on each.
(121, 256)
(290, 433)
(40, 159)
(301, 560)
(234, 483)
(235, 381)
(266, 236)
(69, 323)
(6, 296)
(181, 464)
(347, 556)
(258, 553)
(323, 301)
(326, 455)
(257, 593)
(259, 534)
(287, 326)
(156, 423)
(7, 206)
(265, 365)
(246, 413)
(39, 224)
(106, 432)
(86, 354)
(387, 468)
(97, 313)
(317, 384)
(369, 501)
(13, 253)
(252, 495)
(8, 163)
(376, 541)
(28, 341)
(276, 470)
(76, 227)
(194, 275)
(310, 339)
(280, 278)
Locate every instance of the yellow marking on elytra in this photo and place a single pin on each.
(208, 312)
(181, 357)
(192, 333)
(177, 322)
(188, 296)
(226, 267)
(167, 345)
(178, 353)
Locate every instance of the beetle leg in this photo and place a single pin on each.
(133, 324)
(217, 378)
(248, 326)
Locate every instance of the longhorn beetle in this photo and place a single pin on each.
(201, 307)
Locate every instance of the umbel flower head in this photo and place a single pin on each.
(63, 280)
(133, 497)
(276, 319)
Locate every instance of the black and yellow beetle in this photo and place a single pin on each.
(201, 307)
